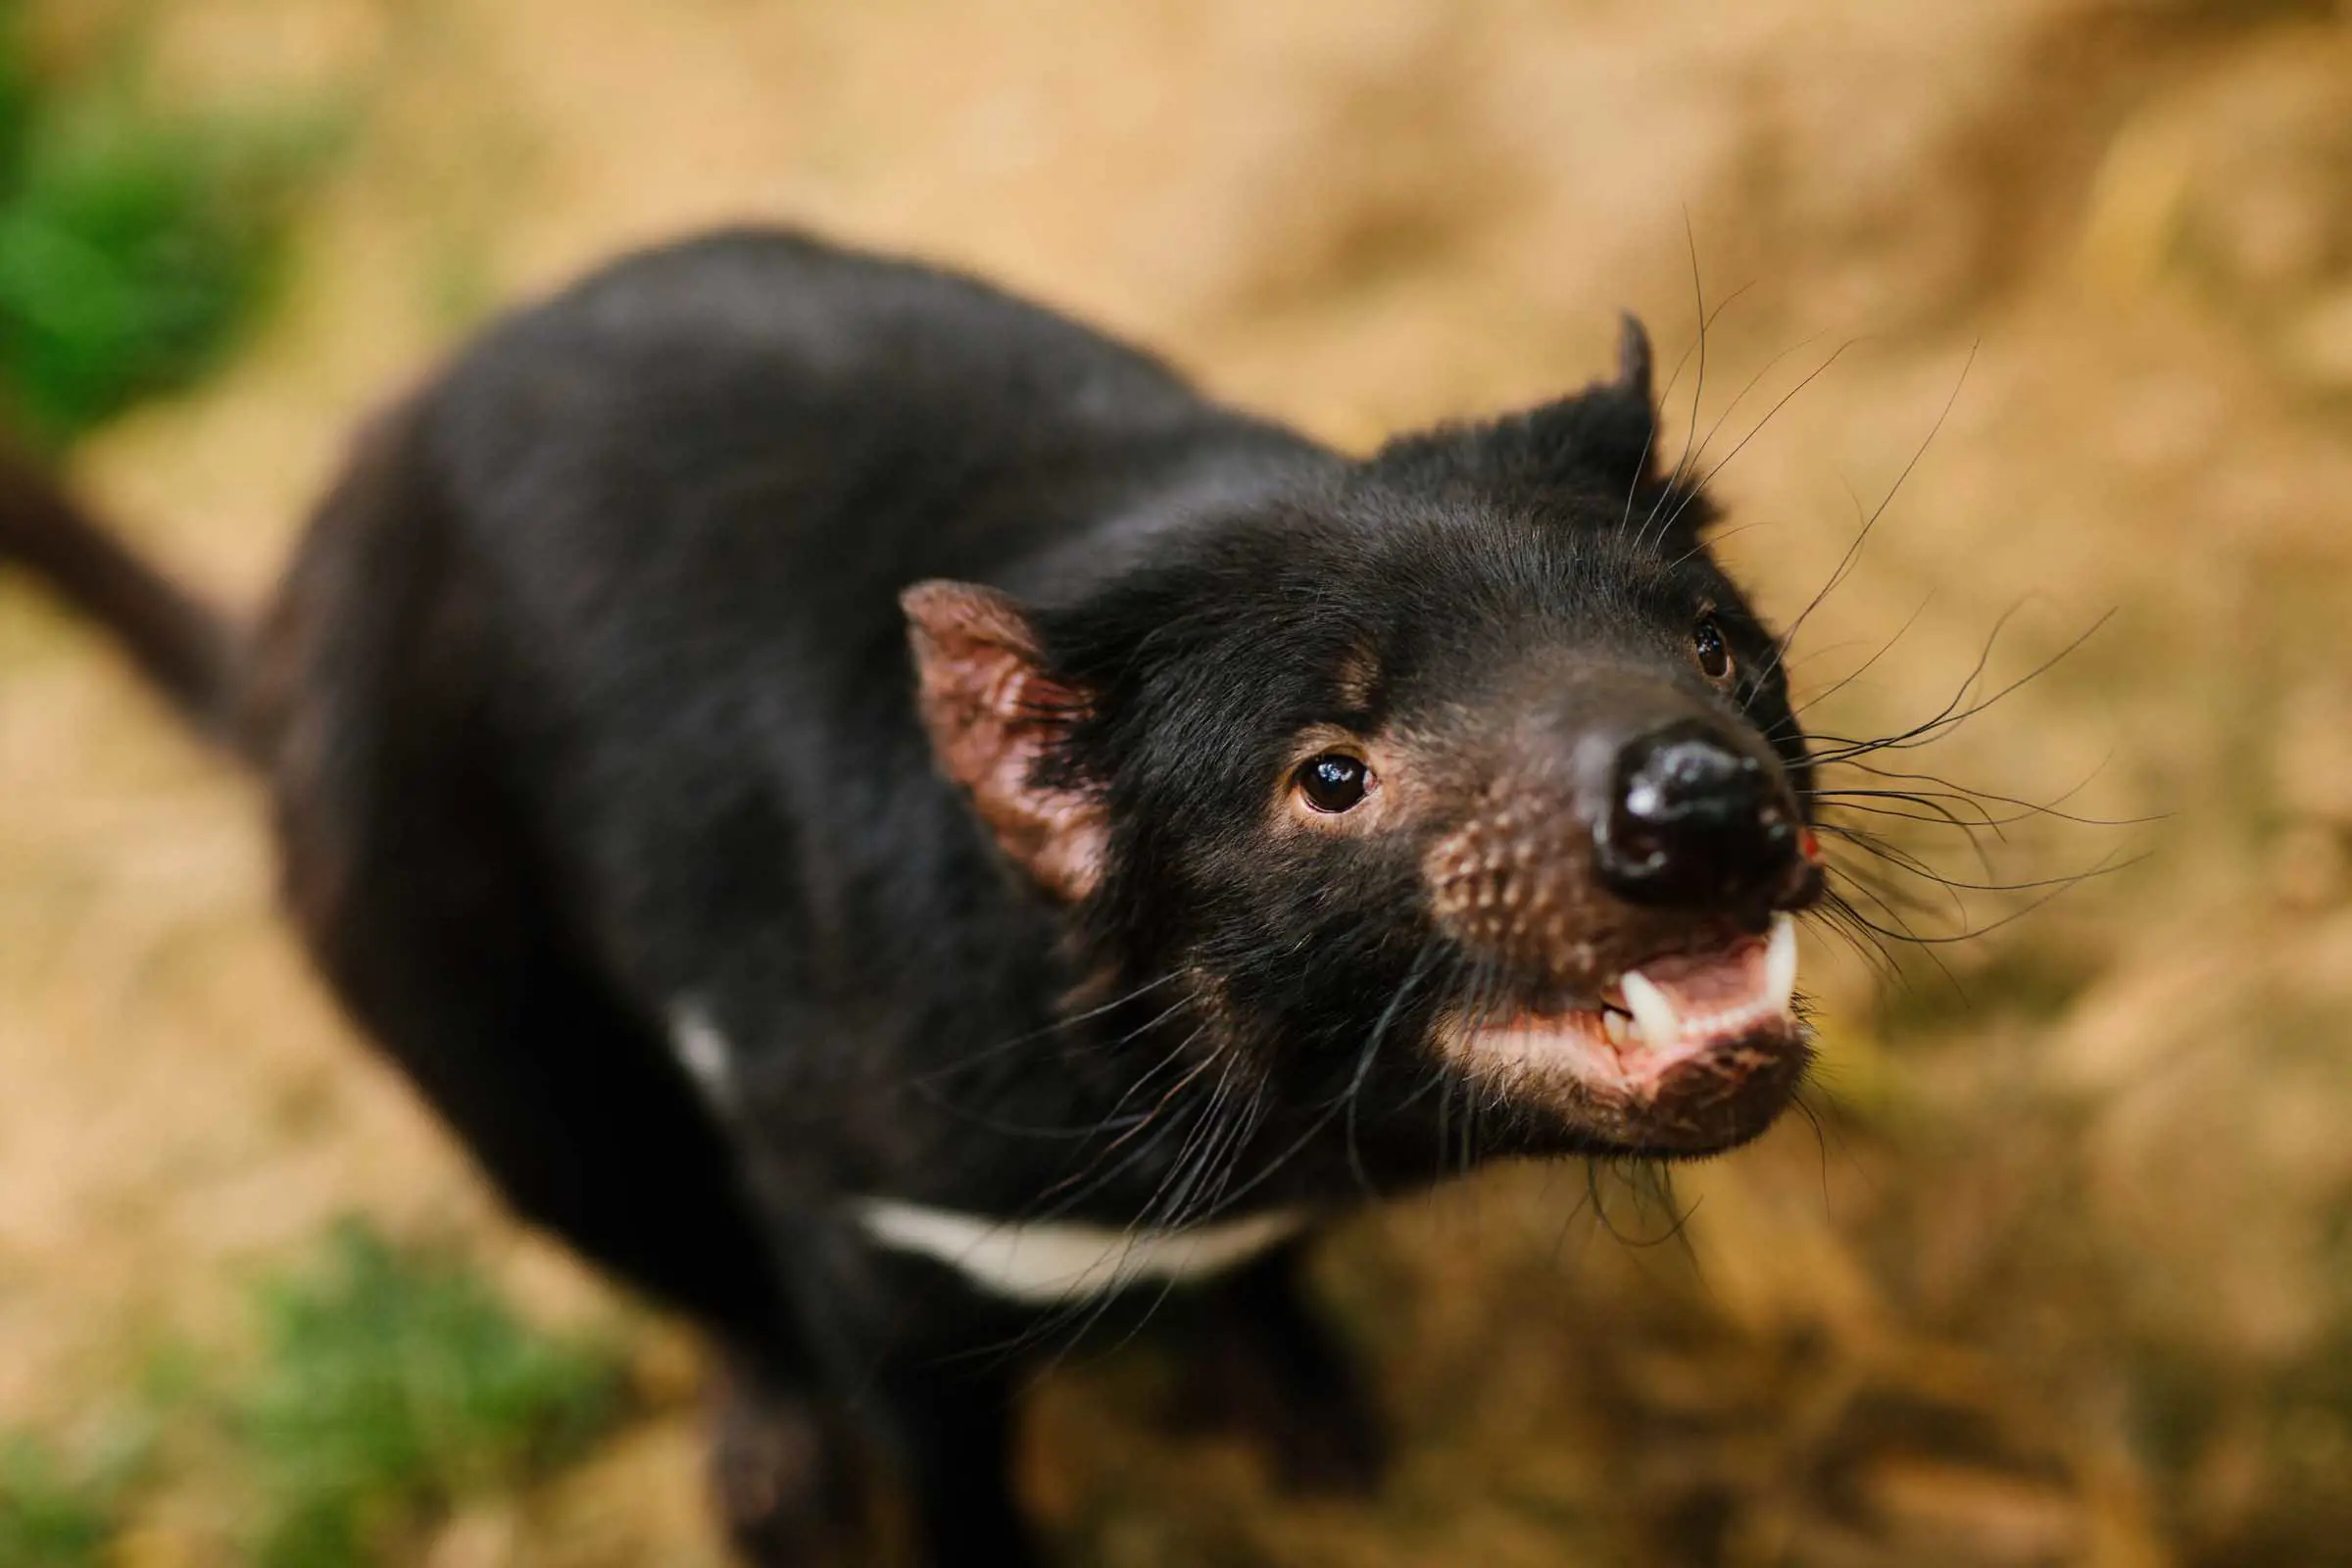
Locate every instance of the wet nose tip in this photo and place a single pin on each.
(1692, 820)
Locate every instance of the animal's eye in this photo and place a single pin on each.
(1334, 781)
(1707, 645)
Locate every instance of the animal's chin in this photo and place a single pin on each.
(1688, 1055)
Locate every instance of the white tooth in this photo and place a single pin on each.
(1654, 1013)
(1613, 1025)
(1780, 963)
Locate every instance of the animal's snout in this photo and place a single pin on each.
(1626, 827)
(1693, 821)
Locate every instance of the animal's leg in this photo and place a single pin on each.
(954, 1430)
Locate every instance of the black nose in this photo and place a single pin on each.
(1692, 821)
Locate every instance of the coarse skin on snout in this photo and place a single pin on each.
(1516, 885)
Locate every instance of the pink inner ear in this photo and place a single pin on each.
(993, 711)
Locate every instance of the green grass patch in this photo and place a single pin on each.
(394, 1385)
(387, 1385)
(57, 1511)
(138, 242)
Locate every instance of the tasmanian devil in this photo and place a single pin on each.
(890, 823)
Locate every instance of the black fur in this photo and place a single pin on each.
(588, 708)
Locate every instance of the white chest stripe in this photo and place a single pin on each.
(1041, 1263)
(1057, 1261)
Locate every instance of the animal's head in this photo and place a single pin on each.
(1470, 771)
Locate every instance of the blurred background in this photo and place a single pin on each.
(2058, 1270)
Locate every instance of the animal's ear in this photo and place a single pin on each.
(1610, 430)
(1634, 395)
(995, 712)
(1603, 439)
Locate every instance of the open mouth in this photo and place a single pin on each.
(1687, 1052)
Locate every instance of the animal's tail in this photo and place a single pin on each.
(188, 649)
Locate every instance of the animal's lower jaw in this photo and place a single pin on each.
(1690, 1055)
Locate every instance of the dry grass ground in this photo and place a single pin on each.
(2064, 1276)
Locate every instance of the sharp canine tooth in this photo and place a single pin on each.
(1780, 963)
(1613, 1024)
(1654, 1013)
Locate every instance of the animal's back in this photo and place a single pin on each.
(754, 412)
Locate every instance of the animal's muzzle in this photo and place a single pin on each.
(1689, 821)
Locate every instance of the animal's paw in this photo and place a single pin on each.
(778, 1480)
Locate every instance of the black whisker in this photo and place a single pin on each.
(1863, 668)
(1756, 429)
(1952, 716)
(1854, 549)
